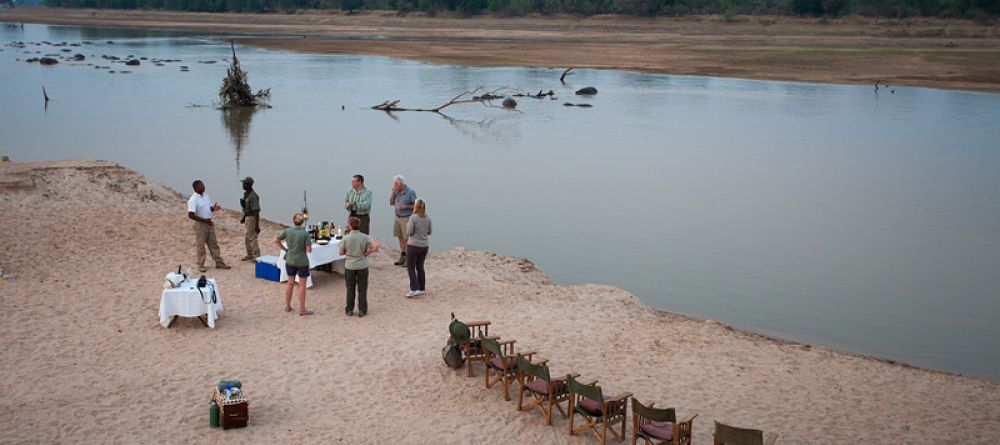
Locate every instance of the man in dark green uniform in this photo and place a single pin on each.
(251, 218)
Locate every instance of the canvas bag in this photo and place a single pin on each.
(452, 353)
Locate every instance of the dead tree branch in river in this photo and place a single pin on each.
(236, 92)
(465, 97)
(562, 79)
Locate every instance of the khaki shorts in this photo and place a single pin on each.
(399, 226)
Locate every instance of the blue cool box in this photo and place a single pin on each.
(267, 268)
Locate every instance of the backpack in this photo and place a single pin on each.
(452, 353)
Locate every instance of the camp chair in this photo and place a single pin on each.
(501, 361)
(731, 435)
(587, 400)
(468, 336)
(545, 391)
(653, 424)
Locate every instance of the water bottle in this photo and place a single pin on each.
(213, 415)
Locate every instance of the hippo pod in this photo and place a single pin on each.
(587, 91)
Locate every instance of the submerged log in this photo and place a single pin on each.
(485, 99)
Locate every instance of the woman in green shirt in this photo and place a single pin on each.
(297, 245)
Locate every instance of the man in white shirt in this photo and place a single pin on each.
(200, 208)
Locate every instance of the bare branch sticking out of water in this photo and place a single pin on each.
(562, 79)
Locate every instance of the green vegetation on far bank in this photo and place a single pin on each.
(968, 9)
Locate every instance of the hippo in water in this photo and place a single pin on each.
(509, 103)
(587, 91)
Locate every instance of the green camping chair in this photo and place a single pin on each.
(731, 435)
(502, 363)
(654, 424)
(545, 391)
(468, 336)
(588, 401)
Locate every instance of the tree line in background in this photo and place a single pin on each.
(969, 9)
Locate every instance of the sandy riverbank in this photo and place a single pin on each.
(85, 245)
(918, 52)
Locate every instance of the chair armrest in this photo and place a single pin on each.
(770, 438)
(488, 337)
(538, 362)
(689, 418)
(648, 403)
(528, 354)
(563, 378)
(589, 382)
(620, 397)
(477, 323)
(506, 342)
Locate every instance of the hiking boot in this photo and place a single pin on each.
(202, 269)
(348, 313)
(223, 266)
(248, 258)
(400, 262)
(361, 314)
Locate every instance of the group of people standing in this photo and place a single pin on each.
(411, 226)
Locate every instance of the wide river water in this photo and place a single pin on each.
(825, 214)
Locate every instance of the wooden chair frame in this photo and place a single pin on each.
(731, 435)
(508, 373)
(614, 410)
(556, 393)
(643, 413)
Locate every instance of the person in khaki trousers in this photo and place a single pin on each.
(200, 208)
(251, 218)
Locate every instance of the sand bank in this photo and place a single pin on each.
(85, 245)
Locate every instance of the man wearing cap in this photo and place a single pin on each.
(401, 199)
(200, 208)
(251, 218)
(358, 201)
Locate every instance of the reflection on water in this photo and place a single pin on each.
(821, 213)
(236, 121)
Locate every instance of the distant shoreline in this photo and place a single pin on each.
(949, 54)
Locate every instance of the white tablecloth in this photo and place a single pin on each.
(319, 256)
(185, 301)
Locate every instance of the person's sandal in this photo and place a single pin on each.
(307, 312)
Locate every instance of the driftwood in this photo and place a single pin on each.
(45, 94)
(465, 97)
(562, 79)
(540, 95)
(236, 92)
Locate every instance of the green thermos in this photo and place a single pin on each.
(213, 415)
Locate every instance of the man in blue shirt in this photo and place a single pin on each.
(401, 199)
